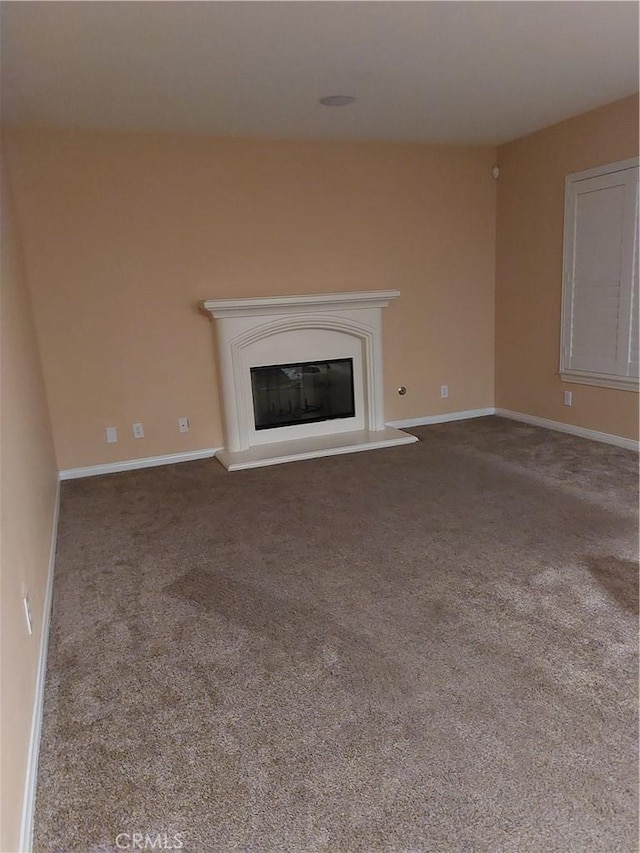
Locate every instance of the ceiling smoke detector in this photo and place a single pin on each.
(337, 100)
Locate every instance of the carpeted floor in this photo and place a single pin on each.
(423, 648)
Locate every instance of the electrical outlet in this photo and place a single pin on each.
(112, 435)
(138, 431)
(183, 424)
(568, 398)
(444, 391)
(27, 612)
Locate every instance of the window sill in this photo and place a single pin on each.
(600, 380)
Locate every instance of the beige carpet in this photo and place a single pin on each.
(423, 648)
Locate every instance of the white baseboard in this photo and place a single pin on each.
(442, 419)
(31, 779)
(134, 464)
(558, 426)
(189, 456)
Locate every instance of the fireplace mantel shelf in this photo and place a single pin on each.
(257, 306)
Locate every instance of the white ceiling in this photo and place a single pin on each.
(460, 72)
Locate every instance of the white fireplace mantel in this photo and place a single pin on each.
(261, 305)
(260, 331)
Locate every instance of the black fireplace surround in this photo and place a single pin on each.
(302, 393)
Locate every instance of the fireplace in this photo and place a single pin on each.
(306, 392)
(301, 376)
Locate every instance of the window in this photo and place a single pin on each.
(599, 343)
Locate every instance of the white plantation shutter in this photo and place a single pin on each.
(600, 283)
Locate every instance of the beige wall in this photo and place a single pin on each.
(124, 233)
(28, 478)
(529, 267)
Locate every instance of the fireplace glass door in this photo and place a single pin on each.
(302, 393)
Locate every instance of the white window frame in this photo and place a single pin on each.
(567, 373)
